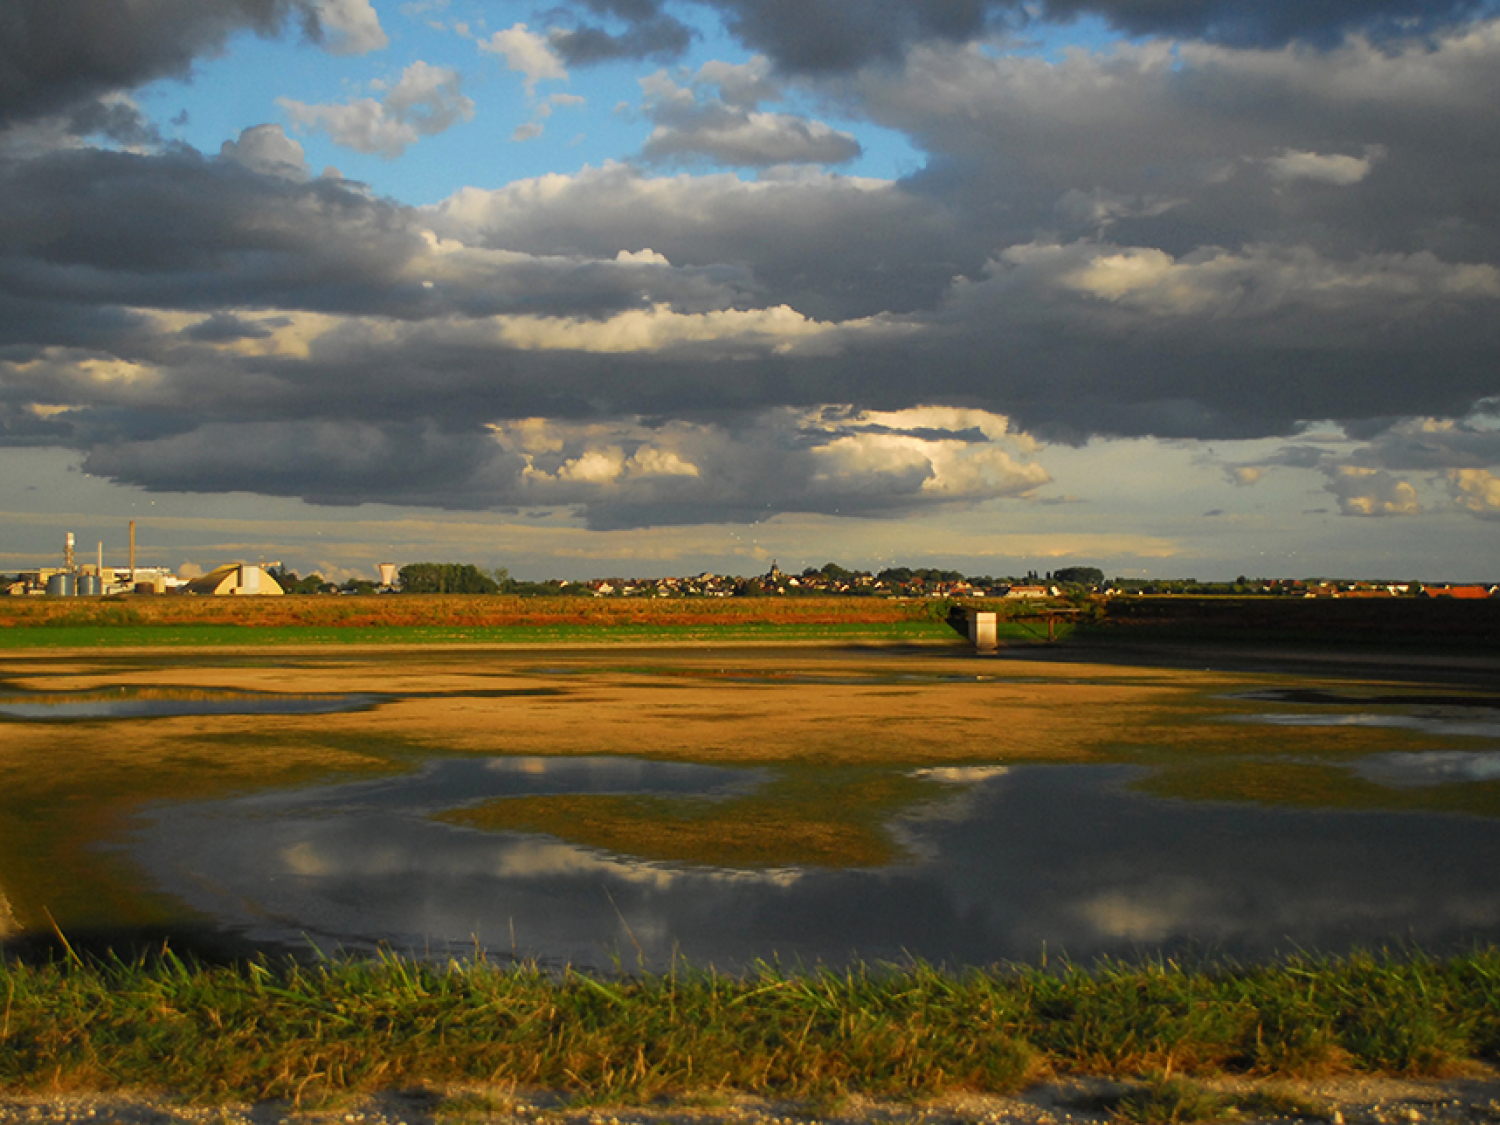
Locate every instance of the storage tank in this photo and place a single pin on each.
(62, 586)
(90, 586)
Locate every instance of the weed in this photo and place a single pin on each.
(1167, 1100)
(1272, 1101)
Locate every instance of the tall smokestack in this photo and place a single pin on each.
(132, 554)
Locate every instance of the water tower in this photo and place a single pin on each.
(387, 574)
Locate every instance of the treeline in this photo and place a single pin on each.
(830, 578)
(451, 578)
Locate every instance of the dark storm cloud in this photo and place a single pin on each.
(625, 475)
(20, 425)
(1177, 240)
(650, 34)
(1272, 23)
(1426, 445)
(325, 463)
(115, 121)
(223, 327)
(56, 55)
(182, 231)
(832, 248)
(822, 37)
(1356, 150)
(83, 232)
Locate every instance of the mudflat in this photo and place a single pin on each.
(68, 786)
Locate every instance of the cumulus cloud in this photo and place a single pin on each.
(1372, 492)
(1411, 466)
(427, 100)
(622, 473)
(832, 247)
(350, 27)
(528, 53)
(89, 236)
(648, 33)
(1477, 491)
(1325, 168)
(325, 462)
(60, 54)
(823, 37)
(692, 122)
(832, 460)
(267, 148)
(1187, 239)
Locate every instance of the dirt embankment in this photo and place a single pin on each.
(1388, 622)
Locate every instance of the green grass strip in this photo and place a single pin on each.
(312, 1033)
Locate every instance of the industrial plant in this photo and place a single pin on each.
(95, 578)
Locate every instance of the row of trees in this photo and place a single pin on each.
(452, 578)
(465, 578)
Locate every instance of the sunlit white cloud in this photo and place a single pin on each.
(1476, 490)
(527, 53)
(1327, 168)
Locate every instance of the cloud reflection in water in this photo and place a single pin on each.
(1062, 856)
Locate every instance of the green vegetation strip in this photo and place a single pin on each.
(174, 636)
(312, 1033)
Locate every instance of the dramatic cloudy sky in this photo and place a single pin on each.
(590, 287)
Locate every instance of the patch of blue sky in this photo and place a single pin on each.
(562, 125)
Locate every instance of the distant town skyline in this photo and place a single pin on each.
(594, 288)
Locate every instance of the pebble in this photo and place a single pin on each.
(1448, 1104)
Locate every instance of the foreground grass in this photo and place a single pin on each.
(311, 1033)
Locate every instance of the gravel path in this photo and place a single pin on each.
(1361, 1100)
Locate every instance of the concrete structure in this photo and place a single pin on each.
(235, 580)
(984, 629)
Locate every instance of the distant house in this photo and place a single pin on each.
(1466, 592)
(235, 580)
(1034, 592)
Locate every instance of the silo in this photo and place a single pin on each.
(90, 586)
(61, 586)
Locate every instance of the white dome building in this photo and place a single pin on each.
(235, 580)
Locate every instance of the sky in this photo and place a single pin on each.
(1178, 288)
